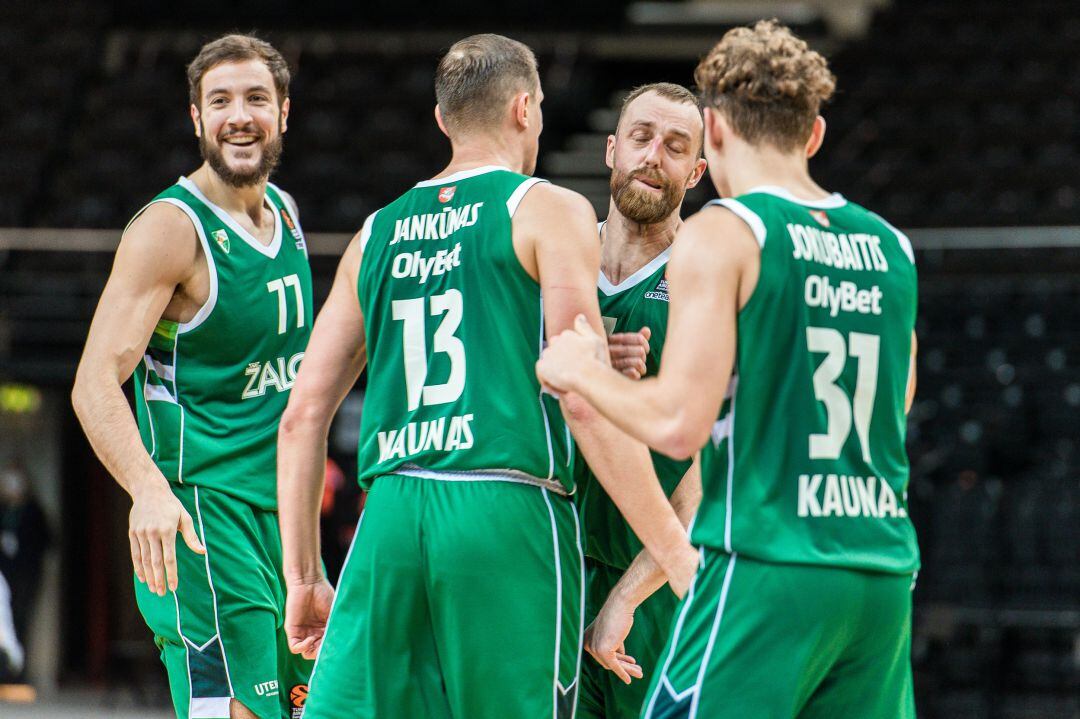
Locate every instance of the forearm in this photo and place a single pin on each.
(301, 474)
(644, 575)
(647, 410)
(624, 468)
(106, 419)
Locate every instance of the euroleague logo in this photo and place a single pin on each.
(297, 697)
(447, 193)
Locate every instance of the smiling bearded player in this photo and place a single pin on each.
(209, 304)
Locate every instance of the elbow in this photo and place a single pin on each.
(299, 419)
(576, 409)
(80, 397)
(680, 438)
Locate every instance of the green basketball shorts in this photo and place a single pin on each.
(220, 634)
(779, 641)
(602, 693)
(458, 599)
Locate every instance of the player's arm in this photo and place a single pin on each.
(334, 358)
(567, 262)
(157, 253)
(606, 635)
(673, 412)
(909, 395)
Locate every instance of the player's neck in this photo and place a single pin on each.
(627, 246)
(247, 200)
(749, 167)
(483, 151)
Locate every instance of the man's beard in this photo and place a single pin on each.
(268, 160)
(642, 206)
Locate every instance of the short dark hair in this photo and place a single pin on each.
(668, 91)
(767, 82)
(237, 48)
(478, 75)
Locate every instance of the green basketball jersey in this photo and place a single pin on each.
(454, 327)
(806, 463)
(639, 300)
(210, 392)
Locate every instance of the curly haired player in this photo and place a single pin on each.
(789, 363)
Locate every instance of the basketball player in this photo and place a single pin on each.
(462, 595)
(655, 157)
(209, 304)
(801, 606)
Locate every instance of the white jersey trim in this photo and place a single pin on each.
(211, 266)
(747, 215)
(209, 707)
(519, 194)
(905, 243)
(365, 231)
(290, 204)
(462, 175)
(270, 250)
(832, 202)
(604, 284)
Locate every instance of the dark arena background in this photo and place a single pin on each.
(957, 120)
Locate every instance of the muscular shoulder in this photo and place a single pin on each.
(546, 203)
(718, 233)
(161, 241)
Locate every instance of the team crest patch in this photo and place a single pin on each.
(222, 238)
(821, 217)
(297, 699)
(447, 193)
(659, 292)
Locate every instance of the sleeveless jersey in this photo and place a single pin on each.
(454, 327)
(806, 463)
(210, 392)
(639, 300)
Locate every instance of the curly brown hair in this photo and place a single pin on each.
(767, 82)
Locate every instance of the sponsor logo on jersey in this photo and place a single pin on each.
(277, 374)
(838, 495)
(821, 217)
(436, 435)
(843, 297)
(659, 292)
(447, 193)
(414, 264)
(297, 699)
(293, 229)
(267, 689)
(436, 225)
(222, 238)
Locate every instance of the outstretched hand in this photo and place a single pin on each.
(559, 364)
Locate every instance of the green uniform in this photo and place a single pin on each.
(462, 593)
(805, 482)
(209, 394)
(610, 545)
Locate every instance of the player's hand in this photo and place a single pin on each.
(565, 353)
(156, 516)
(628, 351)
(307, 610)
(605, 640)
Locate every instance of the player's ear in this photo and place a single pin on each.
(697, 174)
(283, 121)
(609, 155)
(817, 136)
(519, 108)
(440, 122)
(714, 128)
(196, 120)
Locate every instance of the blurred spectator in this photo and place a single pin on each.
(24, 538)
